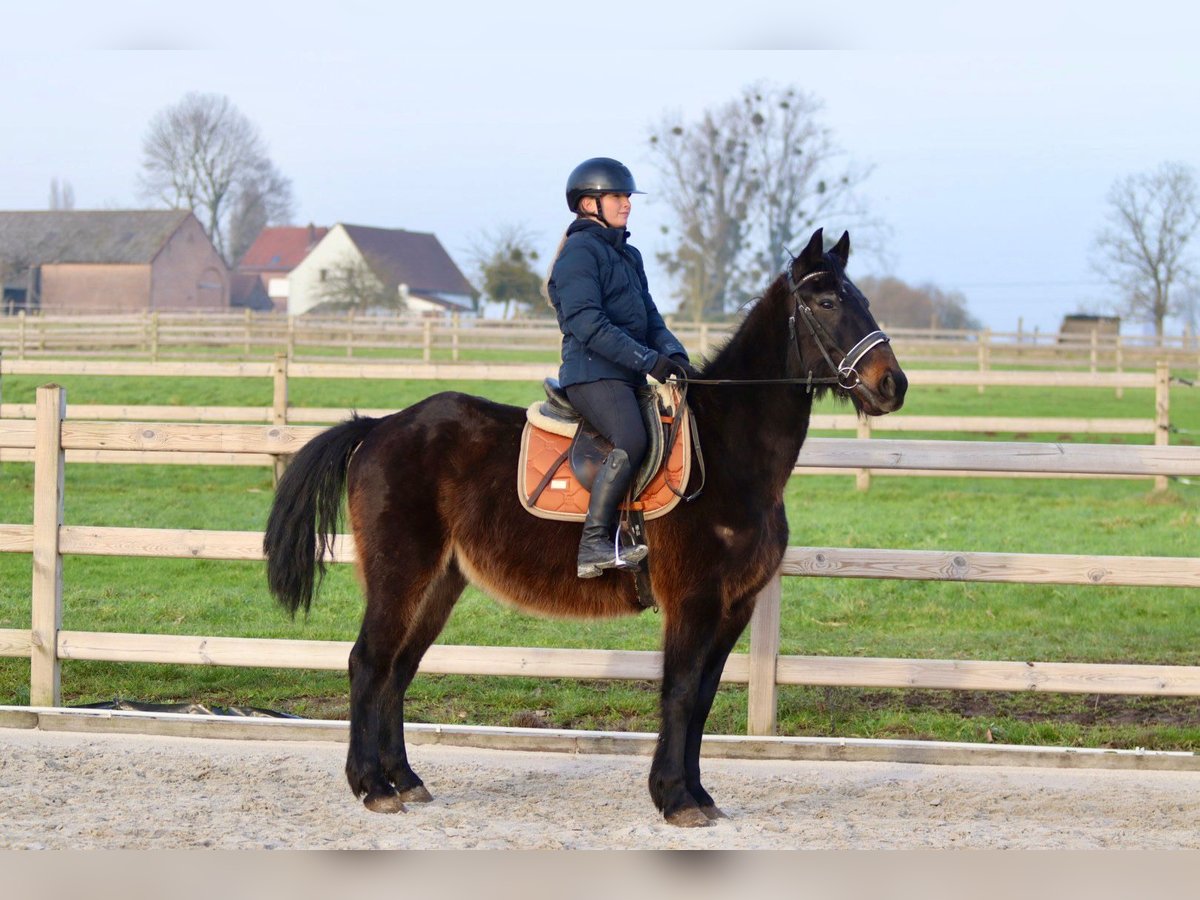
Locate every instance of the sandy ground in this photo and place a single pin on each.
(65, 790)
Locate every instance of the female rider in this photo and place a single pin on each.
(613, 337)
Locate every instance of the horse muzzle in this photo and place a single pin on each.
(881, 386)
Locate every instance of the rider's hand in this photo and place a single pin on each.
(665, 367)
(689, 371)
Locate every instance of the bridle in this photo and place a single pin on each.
(847, 377)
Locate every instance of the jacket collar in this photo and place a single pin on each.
(615, 236)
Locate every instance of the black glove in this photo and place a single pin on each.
(665, 367)
(689, 371)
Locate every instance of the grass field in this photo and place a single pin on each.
(835, 617)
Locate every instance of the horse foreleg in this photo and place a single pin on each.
(685, 650)
(729, 631)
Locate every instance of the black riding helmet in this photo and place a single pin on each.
(597, 176)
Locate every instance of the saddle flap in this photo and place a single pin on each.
(548, 488)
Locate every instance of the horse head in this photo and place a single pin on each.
(835, 335)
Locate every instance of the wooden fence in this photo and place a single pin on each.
(1155, 423)
(46, 644)
(160, 335)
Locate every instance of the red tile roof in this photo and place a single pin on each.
(280, 249)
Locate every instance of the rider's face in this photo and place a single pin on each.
(615, 209)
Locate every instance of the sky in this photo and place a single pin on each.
(992, 138)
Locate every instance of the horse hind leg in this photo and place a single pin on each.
(439, 600)
(407, 605)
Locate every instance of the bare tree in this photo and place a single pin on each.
(62, 196)
(504, 261)
(708, 184)
(264, 199)
(203, 154)
(803, 181)
(897, 304)
(352, 285)
(747, 181)
(1144, 251)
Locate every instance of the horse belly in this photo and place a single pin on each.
(542, 580)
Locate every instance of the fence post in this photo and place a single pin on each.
(1162, 413)
(350, 334)
(764, 653)
(703, 340)
(985, 352)
(291, 336)
(21, 334)
(1120, 364)
(154, 336)
(1093, 356)
(49, 471)
(427, 340)
(246, 334)
(862, 480)
(455, 324)
(279, 407)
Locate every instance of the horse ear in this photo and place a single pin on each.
(810, 256)
(842, 248)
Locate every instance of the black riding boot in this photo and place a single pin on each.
(598, 548)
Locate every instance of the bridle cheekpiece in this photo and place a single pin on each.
(847, 377)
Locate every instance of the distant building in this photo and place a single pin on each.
(109, 261)
(412, 266)
(247, 292)
(1082, 324)
(273, 255)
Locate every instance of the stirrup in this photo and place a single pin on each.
(625, 559)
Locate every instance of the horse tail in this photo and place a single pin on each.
(306, 514)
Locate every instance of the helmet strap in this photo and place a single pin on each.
(599, 214)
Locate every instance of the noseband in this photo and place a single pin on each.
(847, 377)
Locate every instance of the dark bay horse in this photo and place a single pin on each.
(433, 504)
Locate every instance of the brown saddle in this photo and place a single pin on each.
(561, 454)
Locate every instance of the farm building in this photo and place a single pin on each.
(247, 292)
(1083, 324)
(109, 261)
(403, 269)
(273, 255)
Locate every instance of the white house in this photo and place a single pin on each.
(413, 264)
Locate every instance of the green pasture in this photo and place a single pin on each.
(820, 616)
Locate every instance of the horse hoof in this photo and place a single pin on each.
(691, 817)
(416, 794)
(384, 803)
(713, 812)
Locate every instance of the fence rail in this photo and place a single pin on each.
(46, 643)
(282, 372)
(163, 335)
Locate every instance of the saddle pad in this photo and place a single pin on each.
(565, 499)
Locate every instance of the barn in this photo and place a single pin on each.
(109, 261)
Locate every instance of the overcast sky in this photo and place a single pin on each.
(989, 165)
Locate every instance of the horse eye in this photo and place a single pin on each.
(827, 304)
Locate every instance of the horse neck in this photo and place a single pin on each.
(754, 432)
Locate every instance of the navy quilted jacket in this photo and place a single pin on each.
(611, 327)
